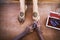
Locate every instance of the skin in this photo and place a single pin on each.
(10, 27)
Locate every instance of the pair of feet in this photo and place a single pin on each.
(23, 8)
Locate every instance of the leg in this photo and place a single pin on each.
(22, 11)
(36, 15)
